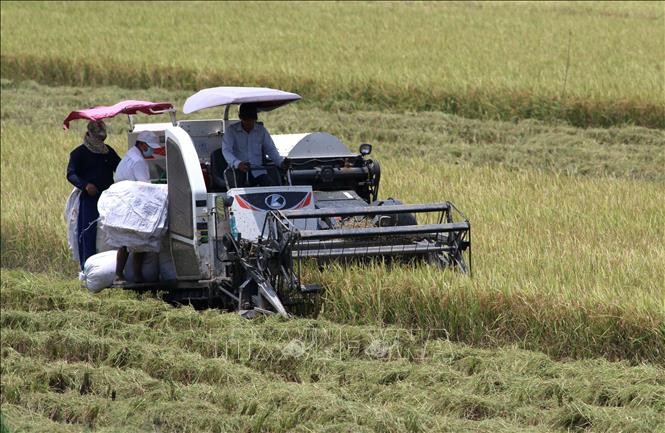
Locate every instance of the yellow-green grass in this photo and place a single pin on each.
(571, 265)
(72, 361)
(588, 63)
(624, 152)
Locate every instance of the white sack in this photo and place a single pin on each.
(149, 268)
(100, 242)
(99, 270)
(133, 242)
(133, 214)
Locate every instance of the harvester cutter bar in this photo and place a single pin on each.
(371, 251)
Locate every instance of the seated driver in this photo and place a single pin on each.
(244, 145)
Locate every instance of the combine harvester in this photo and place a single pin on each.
(246, 248)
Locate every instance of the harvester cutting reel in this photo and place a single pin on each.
(390, 232)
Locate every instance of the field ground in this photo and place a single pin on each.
(540, 235)
(115, 362)
(544, 123)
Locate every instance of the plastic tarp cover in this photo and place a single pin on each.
(71, 219)
(134, 214)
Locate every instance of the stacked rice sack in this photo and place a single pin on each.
(133, 214)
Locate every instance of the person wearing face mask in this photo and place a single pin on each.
(90, 169)
(134, 167)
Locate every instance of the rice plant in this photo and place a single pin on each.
(588, 64)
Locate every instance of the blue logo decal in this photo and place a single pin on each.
(275, 201)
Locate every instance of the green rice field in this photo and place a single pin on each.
(590, 64)
(543, 122)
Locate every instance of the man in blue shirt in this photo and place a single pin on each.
(245, 144)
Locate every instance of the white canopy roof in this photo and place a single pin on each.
(266, 99)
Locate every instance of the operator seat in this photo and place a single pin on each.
(217, 167)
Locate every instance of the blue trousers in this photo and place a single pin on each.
(87, 227)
